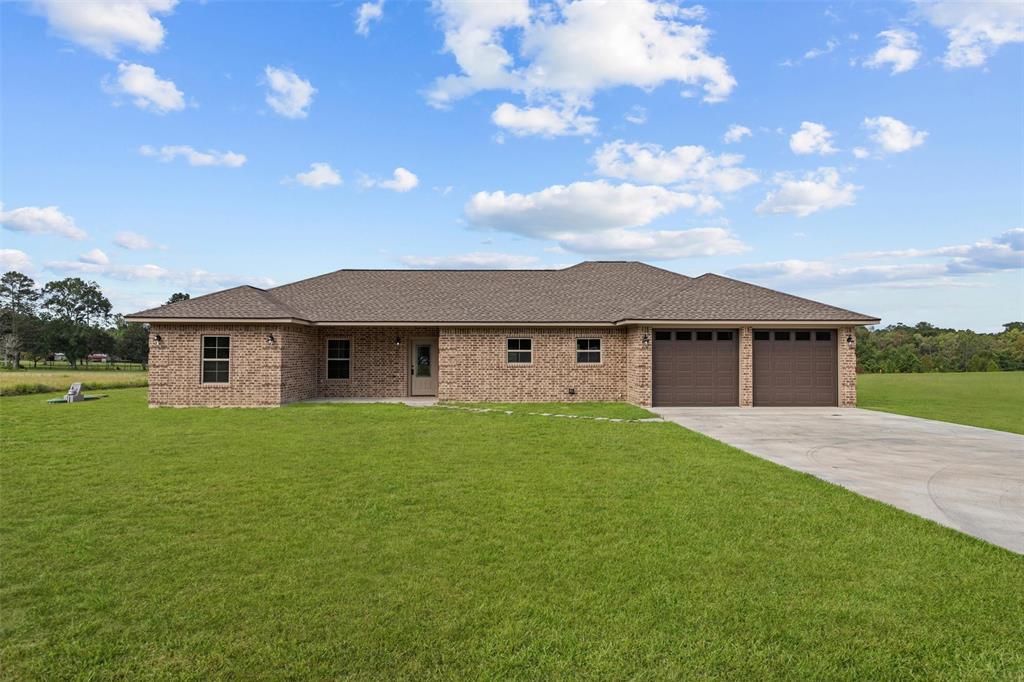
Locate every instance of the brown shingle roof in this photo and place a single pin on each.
(591, 292)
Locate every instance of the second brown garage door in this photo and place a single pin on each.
(696, 367)
(795, 368)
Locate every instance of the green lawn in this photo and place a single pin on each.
(46, 380)
(386, 542)
(610, 410)
(993, 400)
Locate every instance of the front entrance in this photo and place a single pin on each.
(423, 367)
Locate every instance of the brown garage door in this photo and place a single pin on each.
(696, 367)
(795, 367)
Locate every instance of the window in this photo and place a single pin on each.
(704, 336)
(588, 350)
(684, 336)
(662, 336)
(762, 336)
(520, 351)
(782, 336)
(339, 358)
(802, 336)
(216, 359)
(822, 336)
(725, 336)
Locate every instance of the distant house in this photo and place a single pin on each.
(622, 331)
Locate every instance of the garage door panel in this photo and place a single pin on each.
(696, 368)
(795, 368)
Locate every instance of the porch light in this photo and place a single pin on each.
(398, 341)
(270, 339)
(159, 340)
(849, 341)
(646, 340)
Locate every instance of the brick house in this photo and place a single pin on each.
(622, 331)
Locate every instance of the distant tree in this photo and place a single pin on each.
(131, 341)
(178, 297)
(18, 299)
(77, 301)
(1012, 326)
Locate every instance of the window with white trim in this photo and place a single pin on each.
(339, 358)
(519, 351)
(588, 351)
(216, 359)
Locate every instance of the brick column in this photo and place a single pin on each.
(639, 387)
(847, 367)
(746, 367)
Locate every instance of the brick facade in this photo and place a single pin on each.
(471, 366)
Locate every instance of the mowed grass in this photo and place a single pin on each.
(992, 400)
(25, 381)
(582, 409)
(387, 542)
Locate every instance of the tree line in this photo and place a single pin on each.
(68, 316)
(926, 348)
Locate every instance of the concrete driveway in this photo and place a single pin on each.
(963, 477)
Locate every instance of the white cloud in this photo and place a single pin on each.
(735, 133)
(812, 138)
(544, 120)
(692, 166)
(104, 26)
(816, 52)
(892, 135)
(816, 191)
(975, 29)
(13, 259)
(135, 242)
(564, 54)
(600, 218)
(471, 261)
(193, 278)
(368, 12)
(637, 115)
(319, 175)
(195, 158)
(861, 153)
(1001, 253)
(900, 51)
(37, 220)
(149, 91)
(289, 95)
(402, 181)
(96, 257)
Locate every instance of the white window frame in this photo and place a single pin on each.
(328, 359)
(599, 351)
(508, 350)
(203, 359)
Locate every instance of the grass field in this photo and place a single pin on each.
(993, 400)
(386, 542)
(47, 380)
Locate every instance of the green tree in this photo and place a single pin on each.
(178, 297)
(18, 299)
(77, 301)
(131, 341)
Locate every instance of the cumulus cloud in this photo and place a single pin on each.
(900, 51)
(861, 153)
(976, 30)
(599, 218)
(815, 191)
(96, 257)
(192, 278)
(892, 135)
(543, 120)
(735, 133)
(41, 220)
(402, 180)
(13, 259)
(136, 242)
(692, 166)
(147, 90)
(105, 26)
(479, 260)
(368, 13)
(812, 138)
(319, 175)
(289, 95)
(1001, 253)
(636, 115)
(194, 158)
(564, 56)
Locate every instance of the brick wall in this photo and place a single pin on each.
(473, 365)
(746, 352)
(298, 363)
(847, 368)
(379, 368)
(639, 363)
(175, 366)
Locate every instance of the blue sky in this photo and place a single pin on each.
(875, 160)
